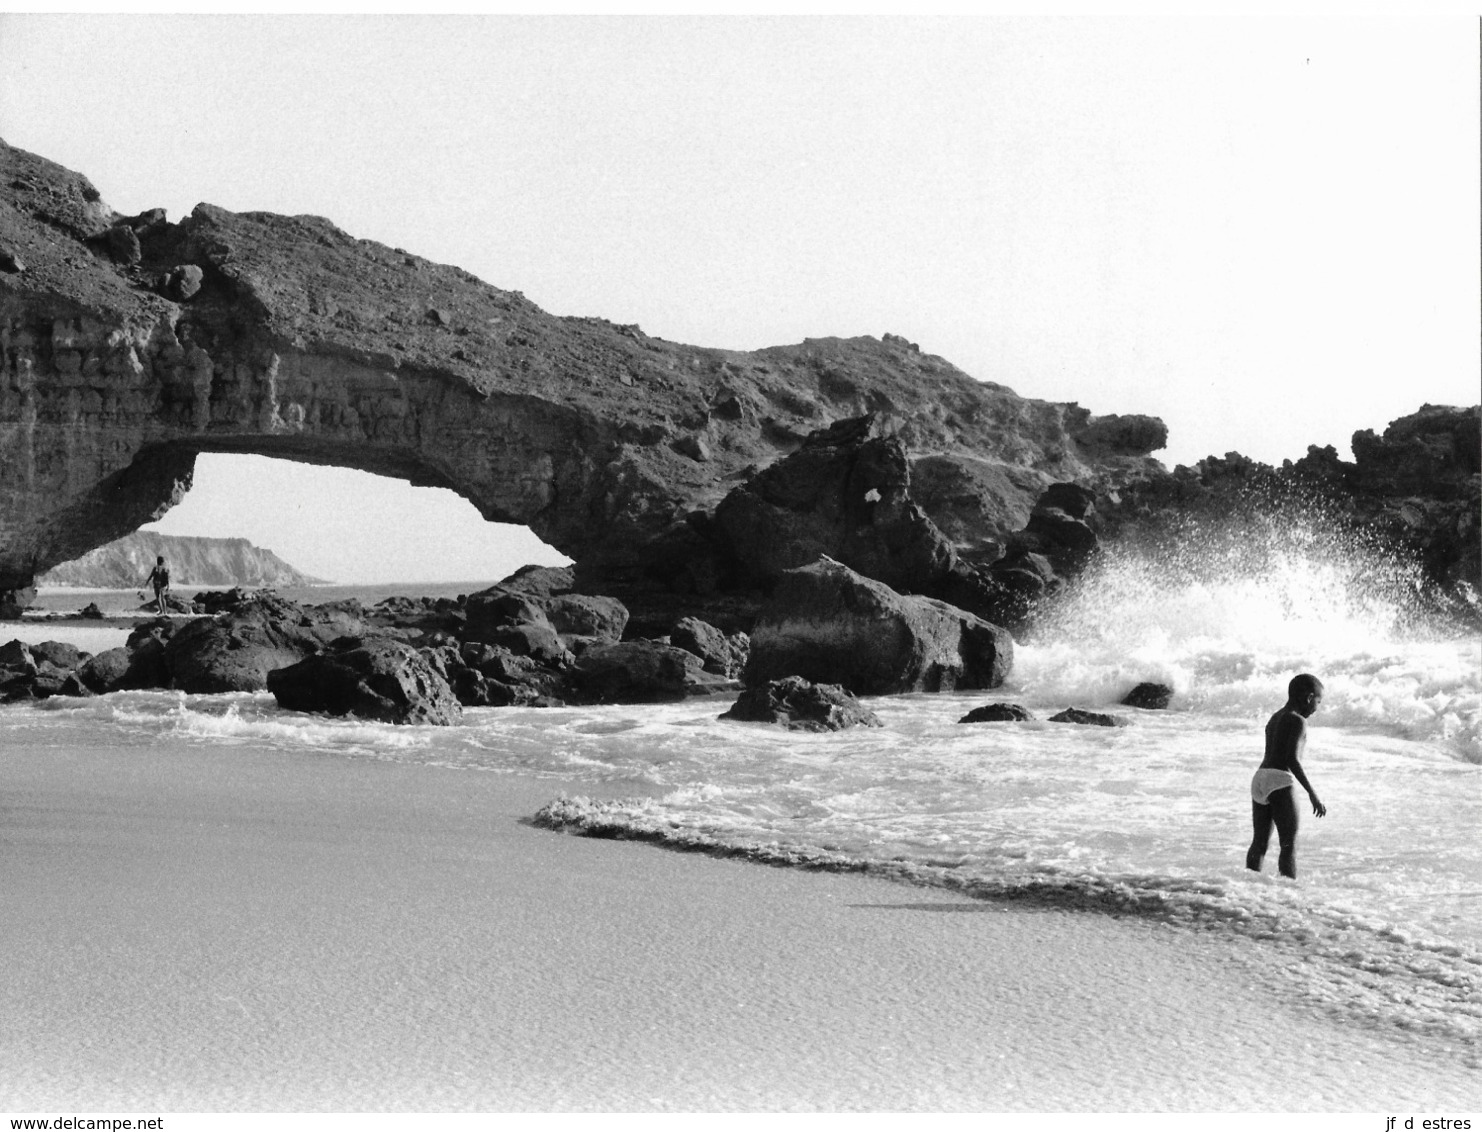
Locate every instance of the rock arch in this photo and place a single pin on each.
(128, 345)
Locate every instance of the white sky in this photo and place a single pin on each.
(1263, 230)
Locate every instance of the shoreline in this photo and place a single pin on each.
(239, 928)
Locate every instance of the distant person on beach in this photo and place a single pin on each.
(1272, 789)
(159, 578)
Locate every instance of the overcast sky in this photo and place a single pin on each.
(1262, 230)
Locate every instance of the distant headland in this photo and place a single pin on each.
(125, 563)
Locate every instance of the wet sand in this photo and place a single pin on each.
(228, 928)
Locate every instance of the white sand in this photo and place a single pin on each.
(225, 928)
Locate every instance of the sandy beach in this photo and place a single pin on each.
(234, 928)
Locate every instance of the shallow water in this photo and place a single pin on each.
(1148, 819)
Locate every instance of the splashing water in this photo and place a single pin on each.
(1227, 612)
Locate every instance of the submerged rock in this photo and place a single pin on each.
(382, 680)
(832, 626)
(1153, 697)
(997, 713)
(1091, 718)
(801, 705)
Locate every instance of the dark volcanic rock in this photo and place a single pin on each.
(641, 672)
(1091, 718)
(845, 494)
(723, 655)
(235, 651)
(106, 671)
(830, 625)
(1150, 696)
(997, 713)
(800, 705)
(59, 654)
(16, 655)
(36, 672)
(586, 619)
(382, 680)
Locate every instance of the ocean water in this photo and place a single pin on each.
(1149, 819)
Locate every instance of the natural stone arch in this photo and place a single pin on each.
(129, 344)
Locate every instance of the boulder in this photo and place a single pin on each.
(32, 672)
(722, 655)
(16, 656)
(585, 618)
(641, 672)
(1152, 697)
(539, 582)
(801, 705)
(533, 620)
(91, 612)
(383, 680)
(997, 713)
(53, 681)
(1089, 718)
(105, 671)
(59, 654)
(235, 651)
(831, 625)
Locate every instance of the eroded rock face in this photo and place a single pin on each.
(844, 494)
(830, 625)
(128, 345)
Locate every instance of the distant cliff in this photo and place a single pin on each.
(125, 564)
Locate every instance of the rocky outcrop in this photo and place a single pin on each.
(799, 705)
(845, 494)
(130, 344)
(1416, 489)
(381, 680)
(236, 650)
(831, 625)
(125, 563)
(38, 672)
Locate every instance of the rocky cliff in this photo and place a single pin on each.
(128, 345)
(125, 564)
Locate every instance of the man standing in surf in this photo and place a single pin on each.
(1272, 790)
